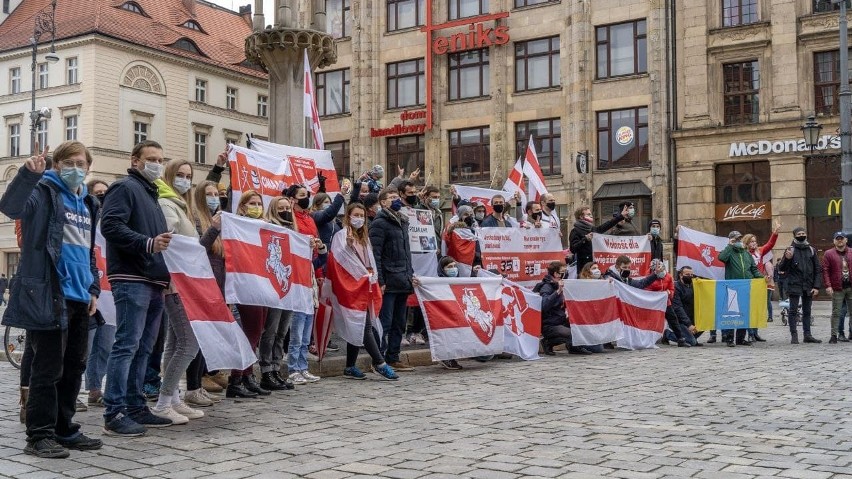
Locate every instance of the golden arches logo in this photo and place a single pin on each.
(834, 207)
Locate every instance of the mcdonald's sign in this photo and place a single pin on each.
(834, 206)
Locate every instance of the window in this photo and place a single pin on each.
(200, 148)
(262, 104)
(192, 25)
(15, 140)
(405, 14)
(140, 132)
(469, 74)
(744, 183)
(333, 92)
(527, 3)
(467, 8)
(537, 64)
(201, 91)
(133, 7)
(470, 154)
(338, 18)
(407, 83)
(742, 84)
(71, 71)
(42, 76)
(605, 208)
(623, 138)
(409, 152)
(340, 156)
(827, 81)
(824, 199)
(71, 127)
(828, 5)
(41, 133)
(622, 49)
(547, 136)
(12, 262)
(188, 45)
(738, 12)
(15, 80)
(6, 10)
(231, 98)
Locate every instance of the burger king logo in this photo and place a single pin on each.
(624, 136)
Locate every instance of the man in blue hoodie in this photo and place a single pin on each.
(54, 291)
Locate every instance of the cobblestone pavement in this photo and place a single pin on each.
(773, 410)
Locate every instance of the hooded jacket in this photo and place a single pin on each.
(803, 271)
(738, 263)
(175, 210)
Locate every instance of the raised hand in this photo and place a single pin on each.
(414, 175)
(37, 163)
(777, 227)
(223, 157)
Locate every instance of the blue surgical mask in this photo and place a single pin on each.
(655, 231)
(738, 244)
(72, 177)
(182, 185)
(435, 203)
(396, 204)
(213, 203)
(451, 272)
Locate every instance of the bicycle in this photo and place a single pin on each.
(13, 340)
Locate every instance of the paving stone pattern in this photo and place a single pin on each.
(774, 410)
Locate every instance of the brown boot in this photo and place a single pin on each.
(25, 394)
(221, 378)
(210, 385)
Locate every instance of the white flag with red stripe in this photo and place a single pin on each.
(463, 316)
(643, 314)
(306, 164)
(521, 320)
(106, 303)
(220, 338)
(352, 288)
(310, 105)
(257, 171)
(700, 251)
(532, 170)
(592, 307)
(267, 265)
(515, 182)
(474, 194)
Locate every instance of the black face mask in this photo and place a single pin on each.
(535, 216)
(625, 273)
(411, 199)
(497, 208)
(223, 203)
(551, 205)
(468, 220)
(687, 280)
(100, 197)
(286, 216)
(801, 239)
(304, 202)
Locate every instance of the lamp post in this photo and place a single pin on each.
(845, 95)
(44, 23)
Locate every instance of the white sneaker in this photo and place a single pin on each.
(213, 397)
(187, 411)
(310, 377)
(298, 379)
(197, 398)
(170, 414)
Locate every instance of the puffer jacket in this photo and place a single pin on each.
(552, 302)
(392, 250)
(803, 271)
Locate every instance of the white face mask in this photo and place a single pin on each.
(152, 171)
(182, 185)
(356, 223)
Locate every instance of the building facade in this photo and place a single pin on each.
(169, 71)
(749, 73)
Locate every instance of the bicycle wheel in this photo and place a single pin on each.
(14, 339)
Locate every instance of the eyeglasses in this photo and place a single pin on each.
(72, 164)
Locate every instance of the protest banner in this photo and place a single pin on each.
(519, 253)
(608, 248)
(424, 245)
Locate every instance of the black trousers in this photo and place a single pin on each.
(370, 344)
(554, 335)
(59, 359)
(674, 324)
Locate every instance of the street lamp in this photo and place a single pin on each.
(44, 23)
(811, 131)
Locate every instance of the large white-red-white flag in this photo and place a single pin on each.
(532, 170)
(310, 106)
(267, 265)
(351, 288)
(306, 163)
(643, 315)
(700, 251)
(106, 303)
(515, 182)
(474, 194)
(220, 338)
(592, 307)
(463, 316)
(257, 171)
(521, 320)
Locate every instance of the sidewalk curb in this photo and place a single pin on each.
(333, 366)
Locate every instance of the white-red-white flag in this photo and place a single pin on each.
(267, 265)
(643, 315)
(257, 171)
(460, 244)
(463, 316)
(220, 338)
(532, 170)
(521, 320)
(306, 163)
(592, 307)
(310, 106)
(106, 303)
(352, 289)
(474, 194)
(515, 182)
(700, 251)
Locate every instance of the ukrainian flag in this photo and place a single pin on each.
(730, 304)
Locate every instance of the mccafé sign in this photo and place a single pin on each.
(743, 211)
(765, 147)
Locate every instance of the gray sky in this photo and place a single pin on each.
(236, 4)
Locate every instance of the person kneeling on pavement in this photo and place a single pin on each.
(683, 304)
(664, 283)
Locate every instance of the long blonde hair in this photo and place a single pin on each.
(247, 196)
(203, 215)
(271, 214)
(362, 235)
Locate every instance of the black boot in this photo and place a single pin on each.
(285, 381)
(794, 338)
(842, 337)
(268, 382)
(756, 337)
(237, 390)
(547, 346)
(681, 343)
(250, 383)
(712, 339)
(811, 339)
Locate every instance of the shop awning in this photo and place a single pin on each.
(622, 189)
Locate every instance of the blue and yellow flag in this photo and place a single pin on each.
(730, 304)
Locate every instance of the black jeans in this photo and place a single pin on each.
(370, 344)
(806, 300)
(674, 324)
(554, 335)
(194, 372)
(59, 359)
(728, 335)
(26, 362)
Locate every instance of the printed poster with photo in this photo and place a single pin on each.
(424, 244)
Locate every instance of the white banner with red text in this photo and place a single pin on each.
(306, 164)
(607, 248)
(519, 253)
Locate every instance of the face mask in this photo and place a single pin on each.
(212, 203)
(596, 273)
(152, 171)
(100, 197)
(254, 211)
(182, 185)
(325, 206)
(738, 244)
(396, 204)
(468, 220)
(223, 202)
(72, 177)
(661, 274)
(451, 272)
(625, 273)
(479, 216)
(655, 231)
(551, 205)
(687, 280)
(631, 212)
(435, 203)
(801, 239)
(411, 200)
(535, 216)
(588, 219)
(286, 216)
(356, 223)
(304, 202)
(498, 208)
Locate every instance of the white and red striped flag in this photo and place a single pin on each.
(515, 182)
(532, 170)
(474, 194)
(700, 251)
(643, 314)
(267, 265)
(460, 244)
(310, 106)
(306, 164)
(256, 171)
(463, 316)
(106, 303)
(592, 307)
(220, 337)
(351, 289)
(521, 320)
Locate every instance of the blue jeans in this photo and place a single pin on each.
(301, 326)
(100, 344)
(393, 319)
(139, 310)
(842, 319)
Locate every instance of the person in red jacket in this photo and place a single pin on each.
(664, 282)
(763, 259)
(836, 264)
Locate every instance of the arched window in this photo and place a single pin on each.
(192, 25)
(188, 45)
(133, 7)
(143, 78)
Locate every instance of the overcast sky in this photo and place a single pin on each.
(236, 4)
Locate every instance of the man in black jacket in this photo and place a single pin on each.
(654, 233)
(804, 280)
(555, 327)
(580, 238)
(135, 231)
(683, 304)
